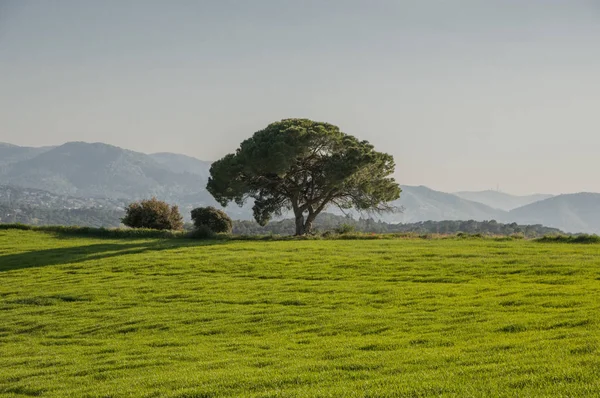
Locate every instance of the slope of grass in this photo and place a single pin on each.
(90, 317)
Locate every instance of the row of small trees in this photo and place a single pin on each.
(156, 214)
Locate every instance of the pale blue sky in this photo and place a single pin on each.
(465, 94)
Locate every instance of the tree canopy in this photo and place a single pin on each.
(304, 166)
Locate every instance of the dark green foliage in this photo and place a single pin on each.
(153, 214)
(582, 238)
(304, 166)
(213, 219)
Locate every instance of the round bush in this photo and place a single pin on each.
(153, 214)
(214, 219)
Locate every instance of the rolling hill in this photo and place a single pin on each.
(12, 153)
(183, 164)
(101, 170)
(574, 213)
(11, 196)
(422, 204)
(501, 200)
(97, 170)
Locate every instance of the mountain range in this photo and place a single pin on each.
(501, 200)
(109, 174)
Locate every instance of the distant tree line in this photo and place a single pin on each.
(101, 217)
(330, 222)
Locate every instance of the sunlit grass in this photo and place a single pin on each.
(89, 317)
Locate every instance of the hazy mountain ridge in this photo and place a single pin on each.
(183, 164)
(573, 213)
(97, 170)
(83, 170)
(501, 200)
(10, 153)
(101, 170)
(420, 203)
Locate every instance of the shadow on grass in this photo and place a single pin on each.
(99, 251)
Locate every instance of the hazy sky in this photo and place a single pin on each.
(465, 94)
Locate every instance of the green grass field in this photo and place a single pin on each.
(90, 317)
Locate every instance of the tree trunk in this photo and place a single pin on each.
(307, 227)
(309, 221)
(300, 224)
(304, 227)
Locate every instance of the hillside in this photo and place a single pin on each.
(572, 213)
(501, 200)
(12, 153)
(100, 170)
(82, 217)
(423, 204)
(11, 195)
(183, 164)
(38, 207)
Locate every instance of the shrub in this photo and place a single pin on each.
(202, 232)
(327, 234)
(153, 214)
(213, 219)
(345, 229)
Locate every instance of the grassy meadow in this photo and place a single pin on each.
(93, 317)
